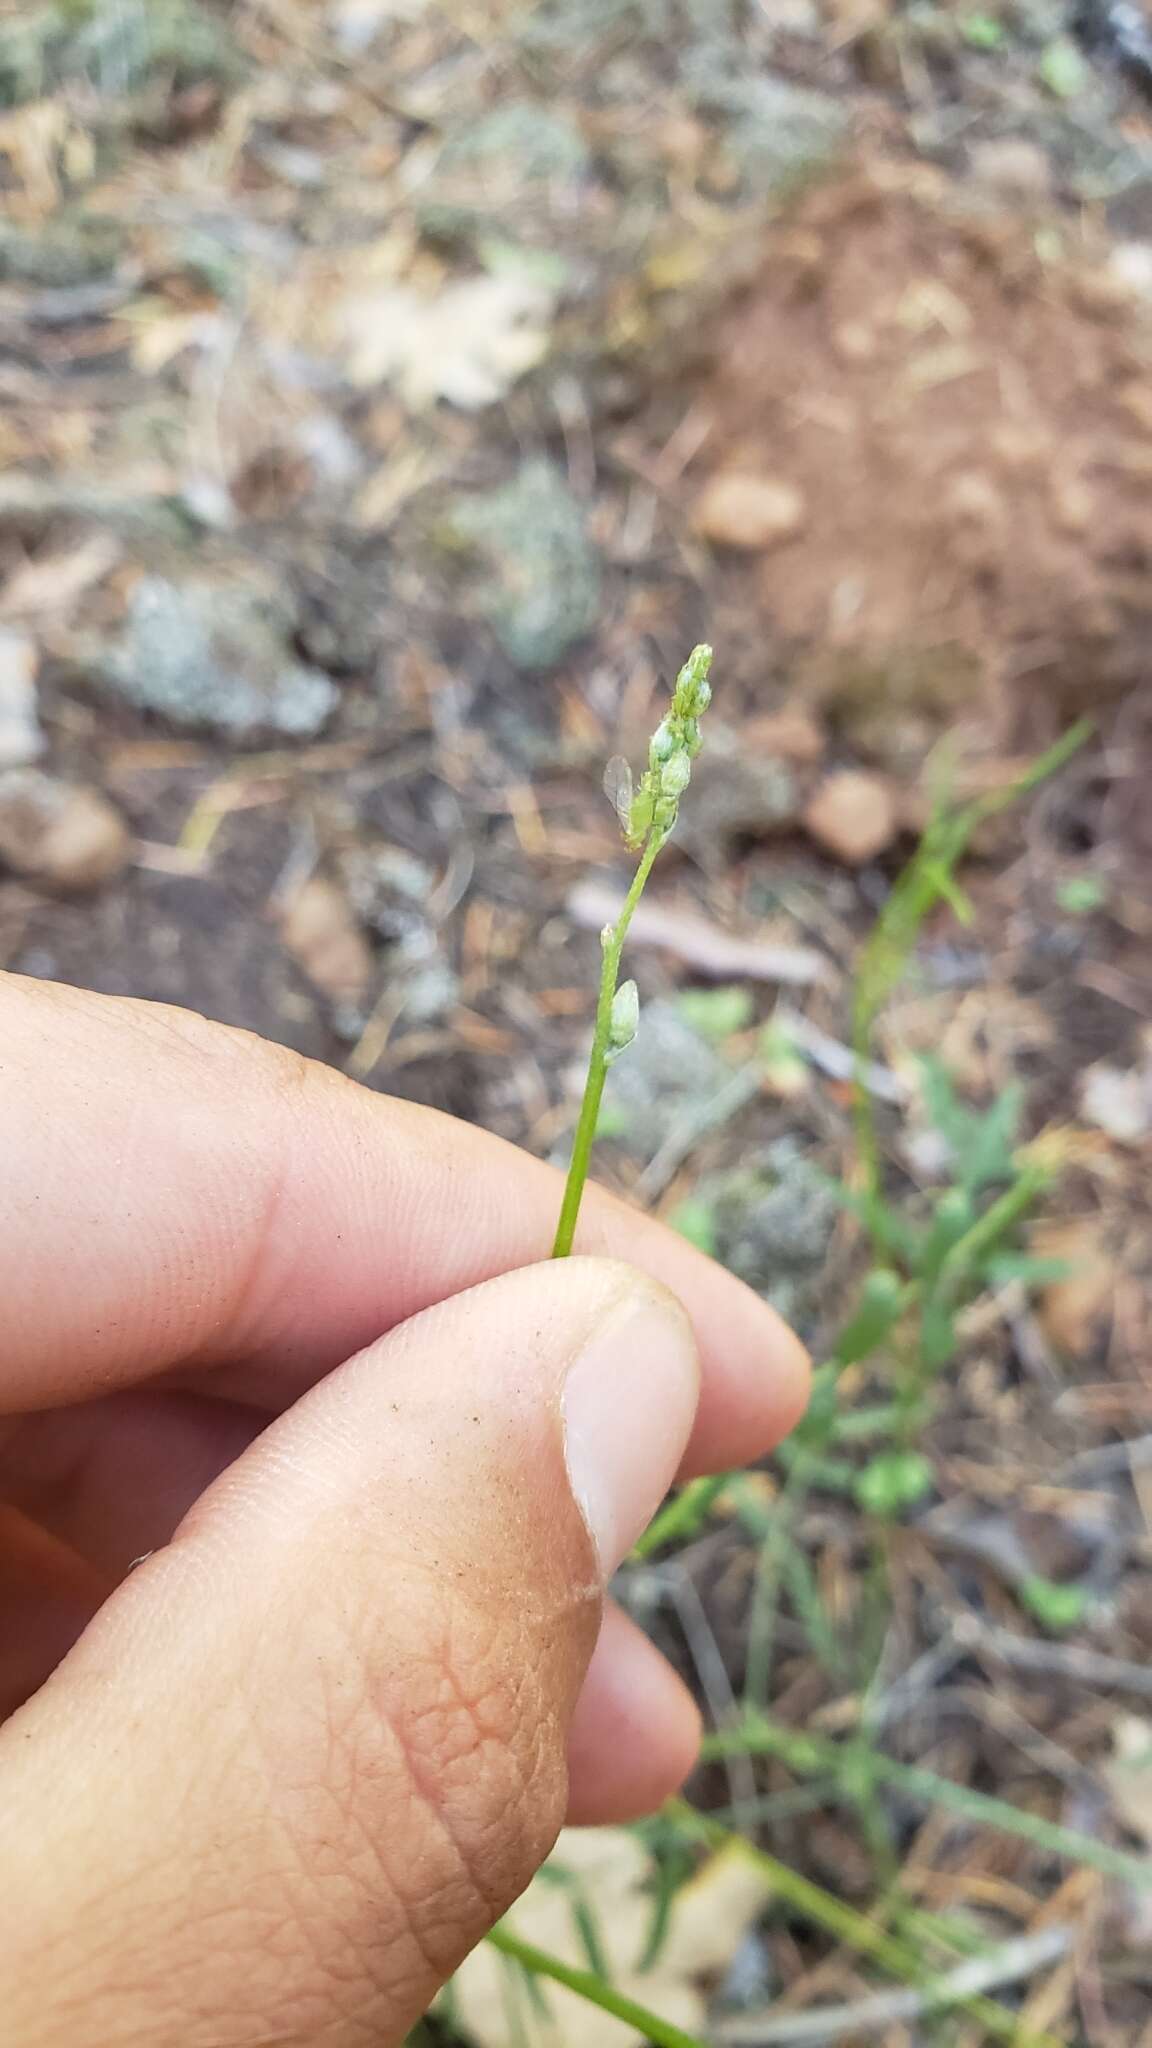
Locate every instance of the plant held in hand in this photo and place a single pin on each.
(647, 817)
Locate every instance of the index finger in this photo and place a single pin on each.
(182, 1198)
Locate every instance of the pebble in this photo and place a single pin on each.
(62, 833)
(323, 937)
(1019, 169)
(853, 816)
(21, 739)
(752, 513)
(788, 735)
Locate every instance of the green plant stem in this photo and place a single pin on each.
(814, 1753)
(683, 1515)
(598, 1057)
(586, 1984)
(811, 1902)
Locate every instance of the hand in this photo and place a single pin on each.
(283, 1340)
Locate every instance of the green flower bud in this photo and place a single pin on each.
(693, 692)
(625, 1019)
(662, 745)
(675, 776)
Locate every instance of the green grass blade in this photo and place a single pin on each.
(587, 1985)
(806, 1753)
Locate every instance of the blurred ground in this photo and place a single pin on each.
(392, 394)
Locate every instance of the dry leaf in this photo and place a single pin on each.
(54, 582)
(320, 932)
(609, 1869)
(1129, 1775)
(1118, 1101)
(1073, 1309)
(469, 344)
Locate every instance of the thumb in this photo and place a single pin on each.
(308, 1753)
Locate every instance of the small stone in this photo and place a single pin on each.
(854, 341)
(788, 735)
(323, 937)
(21, 739)
(973, 500)
(1131, 265)
(1073, 506)
(64, 834)
(853, 816)
(752, 513)
(1018, 169)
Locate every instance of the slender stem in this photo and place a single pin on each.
(598, 1057)
(587, 1985)
(806, 1752)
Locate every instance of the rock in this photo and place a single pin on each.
(891, 702)
(61, 833)
(773, 1223)
(735, 795)
(324, 939)
(1130, 263)
(853, 816)
(739, 510)
(205, 655)
(21, 739)
(1012, 166)
(779, 134)
(792, 734)
(544, 589)
(1118, 1101)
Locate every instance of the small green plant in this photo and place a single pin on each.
(931, 1257)
(647, 817)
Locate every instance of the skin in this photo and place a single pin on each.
(292, 1344)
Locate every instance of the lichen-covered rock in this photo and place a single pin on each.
(542, 587)
(205, 656)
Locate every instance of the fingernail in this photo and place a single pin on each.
(629, 1402)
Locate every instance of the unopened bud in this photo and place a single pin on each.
(675, 776)
(625, 1019)
(662, 744)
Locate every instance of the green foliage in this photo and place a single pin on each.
(983, 32)
(1057, 1608)
(981, 1142)
(717, 1013)
(893, 1481)
(695, 1219)
(932, 1255)
(1080, 895)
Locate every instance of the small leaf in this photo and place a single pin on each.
(893, 1481)
(880, 1303)
(1081, 894)
(695, 1219)
(1056, 1607)
(1063, 69)
(716, 1012)
(982, 31)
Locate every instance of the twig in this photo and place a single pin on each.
(1080, 1666)
(1012, 1963)
(742, 1087)
(721, 955)
(838, 1060)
